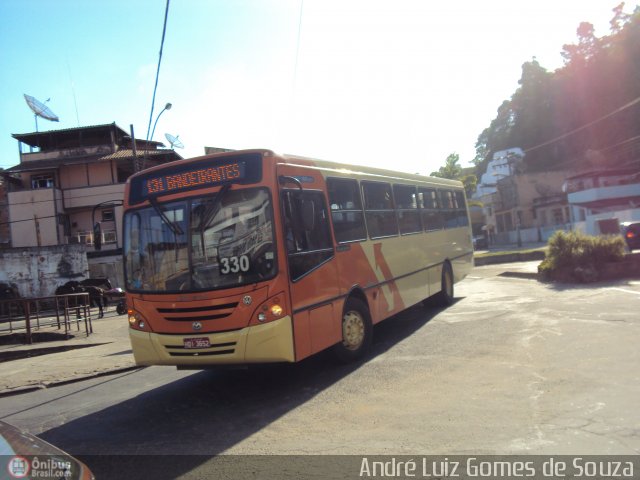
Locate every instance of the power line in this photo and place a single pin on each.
(628, 140)
(565, 135)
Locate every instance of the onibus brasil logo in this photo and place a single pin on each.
(51, 467)
(18, 467)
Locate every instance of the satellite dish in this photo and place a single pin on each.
(40, 109)
(174, 141)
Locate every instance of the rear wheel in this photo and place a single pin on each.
(445, 297)
(357, 331)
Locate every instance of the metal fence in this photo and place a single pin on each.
(26, 315)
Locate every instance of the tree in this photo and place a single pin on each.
(454, 171)
(470, 183)
(451, 169)
(547, 114)
(587, 48)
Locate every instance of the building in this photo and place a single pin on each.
(5, 232)
(601, 199)
(526, 207)
(67, 181)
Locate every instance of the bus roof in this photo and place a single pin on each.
(361, 171)
(364, 171)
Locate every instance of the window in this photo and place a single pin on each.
(557, 216)
(109, 236)
(407, 205)
(378, 205)
(346, 210)
(307, 235)
(449, 208)
(107, 216)
(543, 218)
(463, 219)
(431, 216)
(42, 181)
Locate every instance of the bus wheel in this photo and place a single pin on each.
(357, 331)
(445, 297)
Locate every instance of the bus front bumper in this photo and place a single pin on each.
(269, 342)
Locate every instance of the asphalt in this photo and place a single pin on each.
(49, 361)
(53, 360)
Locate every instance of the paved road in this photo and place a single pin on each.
(513, 367)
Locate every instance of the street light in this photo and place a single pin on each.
(166, 107)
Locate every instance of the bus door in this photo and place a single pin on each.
(313, 276)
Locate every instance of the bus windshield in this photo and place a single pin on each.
(202, 243)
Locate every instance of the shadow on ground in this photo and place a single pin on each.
(177, 427)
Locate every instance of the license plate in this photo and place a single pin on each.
(196, 343)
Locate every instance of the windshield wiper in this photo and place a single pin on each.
(212, 208)
(210, 212)
(174, 227)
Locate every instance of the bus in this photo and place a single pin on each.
(249, 256)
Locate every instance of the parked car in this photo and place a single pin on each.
(631, 233)
(28, 456)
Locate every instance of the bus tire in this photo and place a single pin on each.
(445, 298)
(357, 331)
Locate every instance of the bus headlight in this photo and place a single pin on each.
(272, 309)
(137, 321)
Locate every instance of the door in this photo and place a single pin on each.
(312, 269)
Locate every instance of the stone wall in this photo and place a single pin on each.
(37, 271)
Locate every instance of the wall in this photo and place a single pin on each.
(33, 217)
(5, 231)
(100, 173)
(108, 267)
(73, 176)
(630, 215)
(38, 271)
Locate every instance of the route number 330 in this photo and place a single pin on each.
(234, 264)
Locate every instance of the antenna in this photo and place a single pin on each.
(40, 110)
(173, 141)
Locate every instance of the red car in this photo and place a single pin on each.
(631, 233)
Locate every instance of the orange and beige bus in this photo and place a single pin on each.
(253, 257)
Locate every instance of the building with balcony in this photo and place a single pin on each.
(67, 180)
(601, 199)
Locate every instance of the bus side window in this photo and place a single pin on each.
(463, 219)
(308, 242)
(432, 217)
(346, 210)
(407, 206)
(447, 201)
(380, 213)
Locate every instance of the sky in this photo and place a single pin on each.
(397, 84)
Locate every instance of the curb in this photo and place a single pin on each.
(525, 275)
(509, 258)
(42, 386)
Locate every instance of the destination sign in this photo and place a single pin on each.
(246, 168)
(195, 178)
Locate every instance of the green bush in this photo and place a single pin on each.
(575, 256)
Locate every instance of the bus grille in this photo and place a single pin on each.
(192, 314)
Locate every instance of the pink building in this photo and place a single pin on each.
(69, 179)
